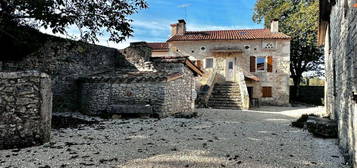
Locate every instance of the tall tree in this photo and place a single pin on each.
(91, 17)
(298, 19)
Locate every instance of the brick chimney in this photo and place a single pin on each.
(274, 26)
(178, 28)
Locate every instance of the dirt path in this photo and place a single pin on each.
(218, 138)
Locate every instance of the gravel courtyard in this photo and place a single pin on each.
(260, 138)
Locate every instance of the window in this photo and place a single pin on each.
(260, 63)
(268, 45)
(209, 63)
(230, 65)
(267, 91)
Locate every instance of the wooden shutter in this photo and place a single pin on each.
(267, 92)
(270, 64)
(252, 63)
(199, 64)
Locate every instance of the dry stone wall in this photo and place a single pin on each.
(341, 74)
(25, 109)
(66, 61)
(165, 97)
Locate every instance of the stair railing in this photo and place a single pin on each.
(244, 96)
(212, 80)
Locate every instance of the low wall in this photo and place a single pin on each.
(26, 109)
(97, 98)
(310, 94)
(166, 93)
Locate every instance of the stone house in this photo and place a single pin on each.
(261, 56)
(338, 32)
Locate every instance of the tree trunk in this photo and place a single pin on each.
(295, 91)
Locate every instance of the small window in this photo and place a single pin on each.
(260, 63)
(268, 45)
(267, 91)
(209, 62)
(230, 65)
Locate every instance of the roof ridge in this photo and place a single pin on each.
(228, 30)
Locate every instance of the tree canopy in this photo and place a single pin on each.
(92, 17)
(298, 19)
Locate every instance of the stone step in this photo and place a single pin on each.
(224, 104)
(225, 91)
(224, 107)
(225, 94)
(223, 100)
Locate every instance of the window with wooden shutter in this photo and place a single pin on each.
(267, 92)
(252, 63)
(270, 64)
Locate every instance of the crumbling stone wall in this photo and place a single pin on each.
(25, 109)
(341, 74)
(179, 96)
(165, 95)
(97, 97)
(66, 61)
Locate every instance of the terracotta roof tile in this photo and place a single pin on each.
(249, 34)
(158, 46)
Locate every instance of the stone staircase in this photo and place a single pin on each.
(225, 96)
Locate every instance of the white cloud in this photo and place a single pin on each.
(162, 25)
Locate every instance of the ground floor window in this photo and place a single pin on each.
(267, 91)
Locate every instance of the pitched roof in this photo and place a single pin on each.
(179, 59)
(159, 46)
(249, 34)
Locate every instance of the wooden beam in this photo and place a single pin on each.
(193, 67)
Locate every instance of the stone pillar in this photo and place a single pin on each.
(26, 109)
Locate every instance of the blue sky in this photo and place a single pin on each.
(153, 24)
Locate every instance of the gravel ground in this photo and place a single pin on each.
(260, 138)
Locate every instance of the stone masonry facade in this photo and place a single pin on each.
(65, 61)
(26, 109)
(166, 92)
(278, 79)
(341, 73)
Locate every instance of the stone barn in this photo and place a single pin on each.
(167, 90)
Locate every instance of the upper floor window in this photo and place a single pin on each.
(261, 63)
(268, 45)
(209, 63)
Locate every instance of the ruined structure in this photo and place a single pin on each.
(338, 32)
(26, 108)
(82, 73)
(252, 62)
(167, 90)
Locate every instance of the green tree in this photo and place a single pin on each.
(92, 17)
(298, 19)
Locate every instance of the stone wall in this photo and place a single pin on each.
(25, 109)
(164, 96)
(66, 61)
(179, 96)
(341, 74)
